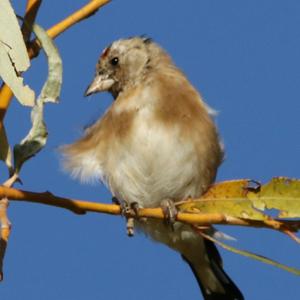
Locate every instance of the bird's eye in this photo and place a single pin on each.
(114, 61)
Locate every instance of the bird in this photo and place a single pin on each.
(157, 143)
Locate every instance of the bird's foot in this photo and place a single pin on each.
(123, 205)
(132, 210)
(129, 211)
(170, 211)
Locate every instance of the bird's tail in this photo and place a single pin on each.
(214, 283)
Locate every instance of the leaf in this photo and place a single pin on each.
(5, 151)
(8, 74)
(228, 198)
(251, 255)
(13, 55)
(238, 199)
(35, 139)
(51, 89)
(13, 38)
(37, 136)
(282, 194)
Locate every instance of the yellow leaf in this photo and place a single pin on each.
(282, 194)
(228, 198)
(238, 199)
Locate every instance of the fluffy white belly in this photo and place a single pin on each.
(154, 165)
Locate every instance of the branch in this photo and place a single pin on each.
(31, 11)
(5, 232)
(5, 223)
(86, 11)
(82, 207)
(79, 15)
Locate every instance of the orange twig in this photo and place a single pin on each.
(5, 232)
(32, 8)
(82, 207)
(5, 98)
(71, 20)
(5, 223)
(76, 17)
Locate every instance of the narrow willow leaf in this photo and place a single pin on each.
(37, 136)
(34, 141)
(51, 89)
(5, 151)
(252, 255)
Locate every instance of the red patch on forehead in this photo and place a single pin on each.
(105, 52)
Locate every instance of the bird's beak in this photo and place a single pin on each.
(100, 83)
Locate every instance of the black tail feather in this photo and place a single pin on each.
(232, 292)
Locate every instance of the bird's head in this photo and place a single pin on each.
(125, 63)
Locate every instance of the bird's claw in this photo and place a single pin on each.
(130, 227)
(132, 209)
(124, 206)
(170, 211)
(128, 211)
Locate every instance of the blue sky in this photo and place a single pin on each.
(244, 58)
